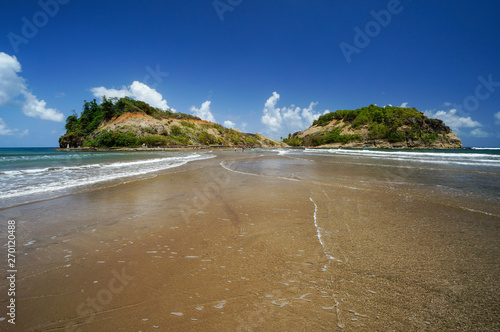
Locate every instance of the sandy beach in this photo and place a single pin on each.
(240, 243)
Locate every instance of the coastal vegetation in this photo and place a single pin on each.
(398, 126)
(126, 122)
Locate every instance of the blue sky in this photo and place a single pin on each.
(259, 66)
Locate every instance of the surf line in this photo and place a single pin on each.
(318, 230)
(263, 175)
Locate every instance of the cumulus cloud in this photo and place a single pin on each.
(136, 90)
(478, 132)
(229, 124)
(497, 118)
(453, 120)
(5, 130)
(203, 112)
(38, 109)
(404, 105)
(12, 85)
(272, 118)
(286, 119)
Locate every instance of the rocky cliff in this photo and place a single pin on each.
(377, 127)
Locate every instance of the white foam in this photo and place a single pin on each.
(32, 182)
(457, 158)
(477, 211)
(220, 305)
(282, 304)
(303, 297)
(245, 173)
(318, 230)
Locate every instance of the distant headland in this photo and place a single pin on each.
(377, 127)
(129, 123)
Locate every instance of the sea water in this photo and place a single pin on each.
(32, 174)
(466, 174)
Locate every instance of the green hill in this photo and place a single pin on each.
(126, 122)
(374, 126)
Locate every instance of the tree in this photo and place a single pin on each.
(72, 122)
(107, 108)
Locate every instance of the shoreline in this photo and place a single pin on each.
(201, 247)
(218, 147)
(183, 148)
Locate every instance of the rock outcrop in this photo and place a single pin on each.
(377, 127)
(129, 123)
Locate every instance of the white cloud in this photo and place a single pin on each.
(308, 115)
(101, 91)
(5, 130)
(272, 116)
(479, 133)
(12, 85)
(229, 124)
(404, 105)
(286, 119)
(37, 109)
(452, 120)
(203, 112)
(497, 118)
(136, 90)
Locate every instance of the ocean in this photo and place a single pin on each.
(469, 177)
(34, 174)
(373, 233)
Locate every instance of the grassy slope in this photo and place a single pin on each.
(129, 123)
(394, 124)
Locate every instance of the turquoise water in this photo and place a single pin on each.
(31, 174)
(476, 159)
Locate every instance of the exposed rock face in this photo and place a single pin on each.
(72, 141)
(402, 128)
(176, 131)
(451, 142)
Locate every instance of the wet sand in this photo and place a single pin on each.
(208, 247)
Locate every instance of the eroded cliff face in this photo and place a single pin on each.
(170, 132)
